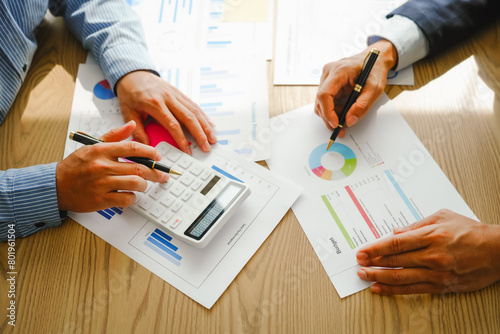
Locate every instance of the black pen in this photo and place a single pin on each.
(86, 139)
(360, 82)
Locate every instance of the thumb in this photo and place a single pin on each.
(120, 133)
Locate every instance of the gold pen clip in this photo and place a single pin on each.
(364, 61)
(368, 55)
(86, 134)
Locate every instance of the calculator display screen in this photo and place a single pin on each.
(213, 211)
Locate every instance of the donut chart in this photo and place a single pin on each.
(347, 169)
(103, 91)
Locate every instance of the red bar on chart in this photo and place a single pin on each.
(362, 212)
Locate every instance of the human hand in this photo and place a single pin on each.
(445, 252)
(339, 78)
(88, 179)
(143, 93)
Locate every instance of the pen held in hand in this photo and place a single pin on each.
(370, 59)
(86, 139)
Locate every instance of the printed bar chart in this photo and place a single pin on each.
(109, 213)
(160, 242)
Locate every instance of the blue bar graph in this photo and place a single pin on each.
(211, 104)
(244, 151)
(161, 10)
(208, 72)
(223, 141)
(403, 196)
(160, 242)
(109, 213)
(218, 44)
(220, 113)
(211, 90)
(175, 10)
(227, 132)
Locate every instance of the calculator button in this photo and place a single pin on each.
(145, 203)
(175, 222)
(166, 185)
(157, 210)
(138, 196)
(176, 206)
(196, 169)
(186, 179)
(156, 192)
(175, 176)
(185, 162)
(186, 195)
(166, 217)
(198, 201)
(196, 184)
(177, 190)
(168, 200)
(174, 155)
(206, 173)
(163, 149)
(148, 188)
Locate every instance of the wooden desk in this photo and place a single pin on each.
(71, 281)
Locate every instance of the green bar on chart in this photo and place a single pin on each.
(337, 220)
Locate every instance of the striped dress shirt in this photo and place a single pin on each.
(107, 28)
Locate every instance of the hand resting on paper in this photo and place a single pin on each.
(445, 252)
(88, 179)
(338, 80)
(142, 93)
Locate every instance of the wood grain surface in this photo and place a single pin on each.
(71, 281)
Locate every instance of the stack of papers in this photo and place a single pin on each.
(379, 176)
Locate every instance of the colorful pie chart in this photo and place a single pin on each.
(103, 90)
(319, 170)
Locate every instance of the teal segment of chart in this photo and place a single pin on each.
(103, 91)
(319, 170)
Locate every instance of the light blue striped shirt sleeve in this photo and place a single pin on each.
(28, 199)
(409, 41)
(111, 31)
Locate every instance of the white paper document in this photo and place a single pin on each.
(379, 176)
(202, 274)
(182, 30)
(233, 94)
(310, 34)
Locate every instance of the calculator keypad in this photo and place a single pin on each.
(179, 199)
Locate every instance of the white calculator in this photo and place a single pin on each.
(192, 206)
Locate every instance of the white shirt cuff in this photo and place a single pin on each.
(410, 42)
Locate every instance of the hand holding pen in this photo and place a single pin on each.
(368, 63)
(339, 79)
(92, 178)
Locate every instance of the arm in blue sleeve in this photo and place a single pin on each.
(446, 22)
(111, 31)
(28, 200)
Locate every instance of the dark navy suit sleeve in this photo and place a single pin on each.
(446, 22)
